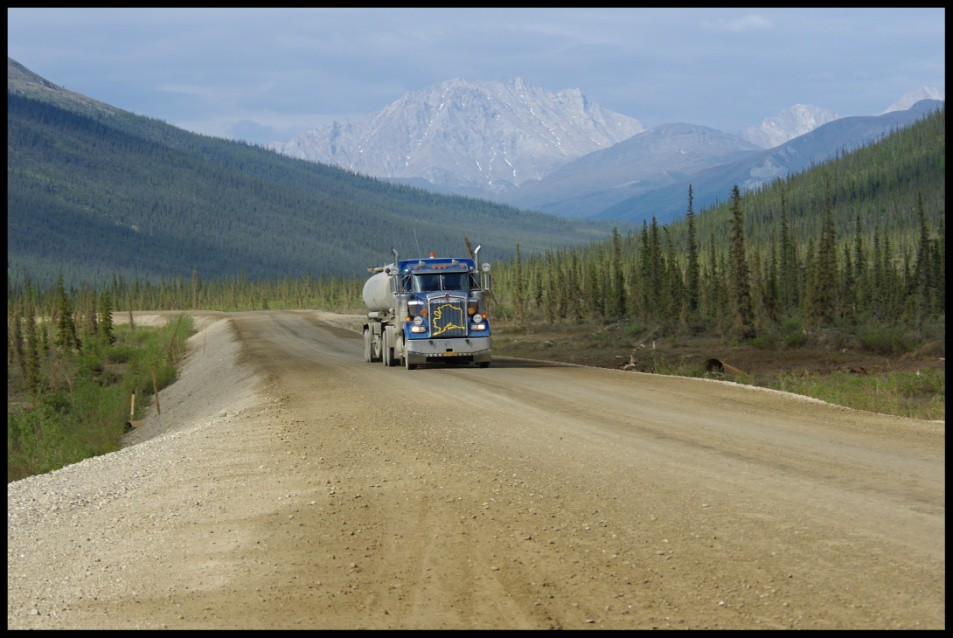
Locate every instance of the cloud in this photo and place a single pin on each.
(742, 24)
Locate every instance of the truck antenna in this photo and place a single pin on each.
(418, 244)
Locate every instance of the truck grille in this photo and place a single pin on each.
(448, 317)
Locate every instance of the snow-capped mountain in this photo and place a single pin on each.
(479, 138)
(791, 122)
(909, 99)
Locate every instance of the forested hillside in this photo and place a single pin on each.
(94, 193)
(855, 242)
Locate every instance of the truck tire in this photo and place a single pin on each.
(368, 346)
(407, 364)
(388, 354)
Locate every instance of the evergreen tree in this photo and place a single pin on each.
(550, 304)
(618, 300)
(713, 288)
(66, 338)
(18, 357)
(789, 285)
(692, 268)
(922, 284)
(861, 277)
(848, 289)
(32, 350)
(538, 288)
(743, 320)
(655, 279)
(824, 296)
(518, 290)
(106, 335)
(644, 275)
(675, 284)
(772, 294)
(90, 323)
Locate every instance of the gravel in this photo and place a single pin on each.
(59, 523)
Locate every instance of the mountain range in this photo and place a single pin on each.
(559, 153)
(712, 185)
(472, 138)
(94, 191)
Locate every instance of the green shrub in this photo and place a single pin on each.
(891, 340)
(792, 333)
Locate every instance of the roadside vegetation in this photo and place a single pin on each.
(69, 387)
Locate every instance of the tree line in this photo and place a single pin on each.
(642, 277)
(854, 243)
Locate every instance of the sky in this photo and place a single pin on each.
(267, 75)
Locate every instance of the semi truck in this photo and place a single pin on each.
(428, 310)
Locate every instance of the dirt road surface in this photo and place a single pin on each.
(289, 484)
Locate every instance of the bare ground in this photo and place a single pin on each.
(288, 484)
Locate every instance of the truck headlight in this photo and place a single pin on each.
(418, 329)
(418, 320)
(477, 318)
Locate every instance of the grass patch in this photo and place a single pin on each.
(917, 395)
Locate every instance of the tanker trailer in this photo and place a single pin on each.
(431, 310)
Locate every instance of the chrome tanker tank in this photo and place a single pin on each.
(379, 290)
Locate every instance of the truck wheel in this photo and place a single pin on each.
(407, 363)
(368, 346)
(388, 354)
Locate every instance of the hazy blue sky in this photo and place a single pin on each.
(268, 74)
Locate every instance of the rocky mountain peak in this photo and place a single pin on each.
(473, 137)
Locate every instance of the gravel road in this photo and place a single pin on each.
(288, 484)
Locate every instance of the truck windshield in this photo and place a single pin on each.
(441, 281)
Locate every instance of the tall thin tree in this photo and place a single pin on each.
(743, 319)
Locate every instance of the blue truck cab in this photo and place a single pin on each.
(438, 314)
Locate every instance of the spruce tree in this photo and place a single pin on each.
(617, 296)
(922, 284)
(674, 284)
(106, 335)
(66, 338)
(32, 350)
(824, 296)
(861, 277)
(644, 275)
(692, 268)
(655, 281)
(848, 296)
(518, 291)
(789, 277)
(713, 289)
(743, 320)
(771, 299)
(16, 340)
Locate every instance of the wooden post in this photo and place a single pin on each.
(172, 340)
(155, 389)
(132, 407)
